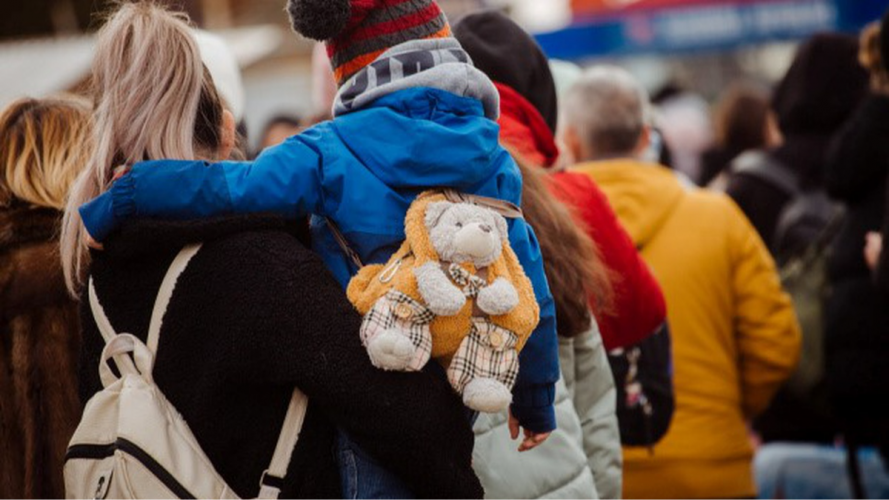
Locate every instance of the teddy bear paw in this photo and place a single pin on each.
(486, 395)
(498, 298)
(391, 351)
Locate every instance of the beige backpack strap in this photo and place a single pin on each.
(123, 361)
(504, 208)
(180, 263)
(273, 478)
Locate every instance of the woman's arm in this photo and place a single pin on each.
(285, 179)
(413, 423)
(767, 330)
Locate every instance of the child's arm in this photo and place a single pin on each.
(285, 179)
(535, 389)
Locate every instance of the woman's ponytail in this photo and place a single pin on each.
(153, 99)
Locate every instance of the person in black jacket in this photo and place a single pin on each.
(858, 316)
(255, 314)
(818, 94)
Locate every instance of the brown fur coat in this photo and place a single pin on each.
(39, 348)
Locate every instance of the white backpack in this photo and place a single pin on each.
(132, 443)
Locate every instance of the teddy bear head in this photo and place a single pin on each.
(464, 233)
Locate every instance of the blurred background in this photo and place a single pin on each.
(671, 45)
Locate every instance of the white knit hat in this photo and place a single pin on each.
(220, 61)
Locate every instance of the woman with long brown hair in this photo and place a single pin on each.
(44, 143)
(582, 459)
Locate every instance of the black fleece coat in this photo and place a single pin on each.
(858, 316)
(254, 315)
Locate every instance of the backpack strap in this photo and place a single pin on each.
(123, 361)
(759, 165)
(272, 480)
(344, 243)
(180, 263)
(504, 208)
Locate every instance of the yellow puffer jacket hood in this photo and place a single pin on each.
(643, 196)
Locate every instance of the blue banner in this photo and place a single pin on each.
(709, 27)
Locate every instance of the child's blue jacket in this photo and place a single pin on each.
(362, 170)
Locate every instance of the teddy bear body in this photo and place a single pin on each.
(456, 281)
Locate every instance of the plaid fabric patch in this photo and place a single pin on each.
(471, 284)
(488, 352)
(396, 311)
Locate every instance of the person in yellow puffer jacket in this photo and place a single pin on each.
(736, 337)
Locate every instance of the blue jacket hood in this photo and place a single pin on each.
(440, 138)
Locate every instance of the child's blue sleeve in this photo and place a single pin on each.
(286, 179)
(535, 390)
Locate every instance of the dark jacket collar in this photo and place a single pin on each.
(148, 237)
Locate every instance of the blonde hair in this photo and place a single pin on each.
(154, 99)
(44, 144)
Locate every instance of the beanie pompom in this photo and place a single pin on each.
(319, 20)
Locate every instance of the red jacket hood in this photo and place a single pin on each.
(523, 129)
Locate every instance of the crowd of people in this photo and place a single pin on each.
(708, 325)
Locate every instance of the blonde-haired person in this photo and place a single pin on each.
(43, 146)
(255, 313)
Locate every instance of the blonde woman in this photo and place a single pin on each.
(255, 313)
(43, 146)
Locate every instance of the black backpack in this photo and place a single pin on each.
(643, 376)
(801, 246)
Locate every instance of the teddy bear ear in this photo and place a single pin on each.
(320, 20)
(435, 211)
(502, 226)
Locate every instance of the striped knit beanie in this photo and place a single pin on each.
(359, 31)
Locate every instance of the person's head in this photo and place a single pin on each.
(744, 120)
(606, 115)
(573, 266)
(279, 129)
(507, 54)
(154, 99)
(44, 144)
(822, 88)
(872, 53)
(357, 32)
(884, 37)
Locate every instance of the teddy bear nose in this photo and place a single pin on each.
(486, 228)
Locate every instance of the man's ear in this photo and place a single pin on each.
(228, 135)
(644, 142)
(572, 144)
(434, 212)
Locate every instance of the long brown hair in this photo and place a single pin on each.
(572, 262)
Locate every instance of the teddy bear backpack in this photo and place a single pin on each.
(454, 292)
(132, 443)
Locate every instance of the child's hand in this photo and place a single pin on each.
(91, 243)
(532, 440)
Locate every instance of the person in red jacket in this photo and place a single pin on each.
(529, 116)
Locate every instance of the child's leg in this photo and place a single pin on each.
(362, 477)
